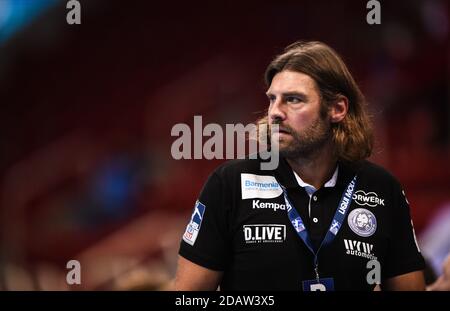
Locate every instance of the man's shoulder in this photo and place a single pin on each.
(376, 172)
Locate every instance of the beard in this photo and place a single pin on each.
(306, 143)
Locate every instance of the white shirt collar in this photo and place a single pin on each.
(310, 188)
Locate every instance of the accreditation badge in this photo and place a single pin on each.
(322, 284)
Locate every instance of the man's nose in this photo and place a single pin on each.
(276, 111)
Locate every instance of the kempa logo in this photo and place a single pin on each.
(267, 233)
(270, 205)
(360, 249)
(370, 199)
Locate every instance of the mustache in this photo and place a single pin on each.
(282, 127)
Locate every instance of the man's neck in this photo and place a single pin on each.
(317, 169)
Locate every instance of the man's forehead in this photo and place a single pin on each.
(290, 81)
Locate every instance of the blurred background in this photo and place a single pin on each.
(86, 113)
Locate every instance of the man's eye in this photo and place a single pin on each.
(271, 99)
(293, 100)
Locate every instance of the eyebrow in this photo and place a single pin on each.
(303, 96)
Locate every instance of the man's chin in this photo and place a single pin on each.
(290, 152)
(286, 152)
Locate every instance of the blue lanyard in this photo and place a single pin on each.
(335, 226)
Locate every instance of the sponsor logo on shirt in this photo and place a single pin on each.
(193, 227)
(362, 222)
(360, 249)
(370, 198)
(259, 186)
(268, 205)
(264, 233)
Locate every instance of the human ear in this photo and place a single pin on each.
(338, 109)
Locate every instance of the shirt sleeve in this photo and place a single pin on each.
(204, 241)
(403, 254)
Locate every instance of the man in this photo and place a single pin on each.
(325, 218)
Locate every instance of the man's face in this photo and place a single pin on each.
(295, 105)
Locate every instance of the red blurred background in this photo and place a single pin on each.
(86, 113)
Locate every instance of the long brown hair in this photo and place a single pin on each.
(353, 137)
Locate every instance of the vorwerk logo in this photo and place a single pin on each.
(370, 199)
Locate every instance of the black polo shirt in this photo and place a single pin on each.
(240, 226)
